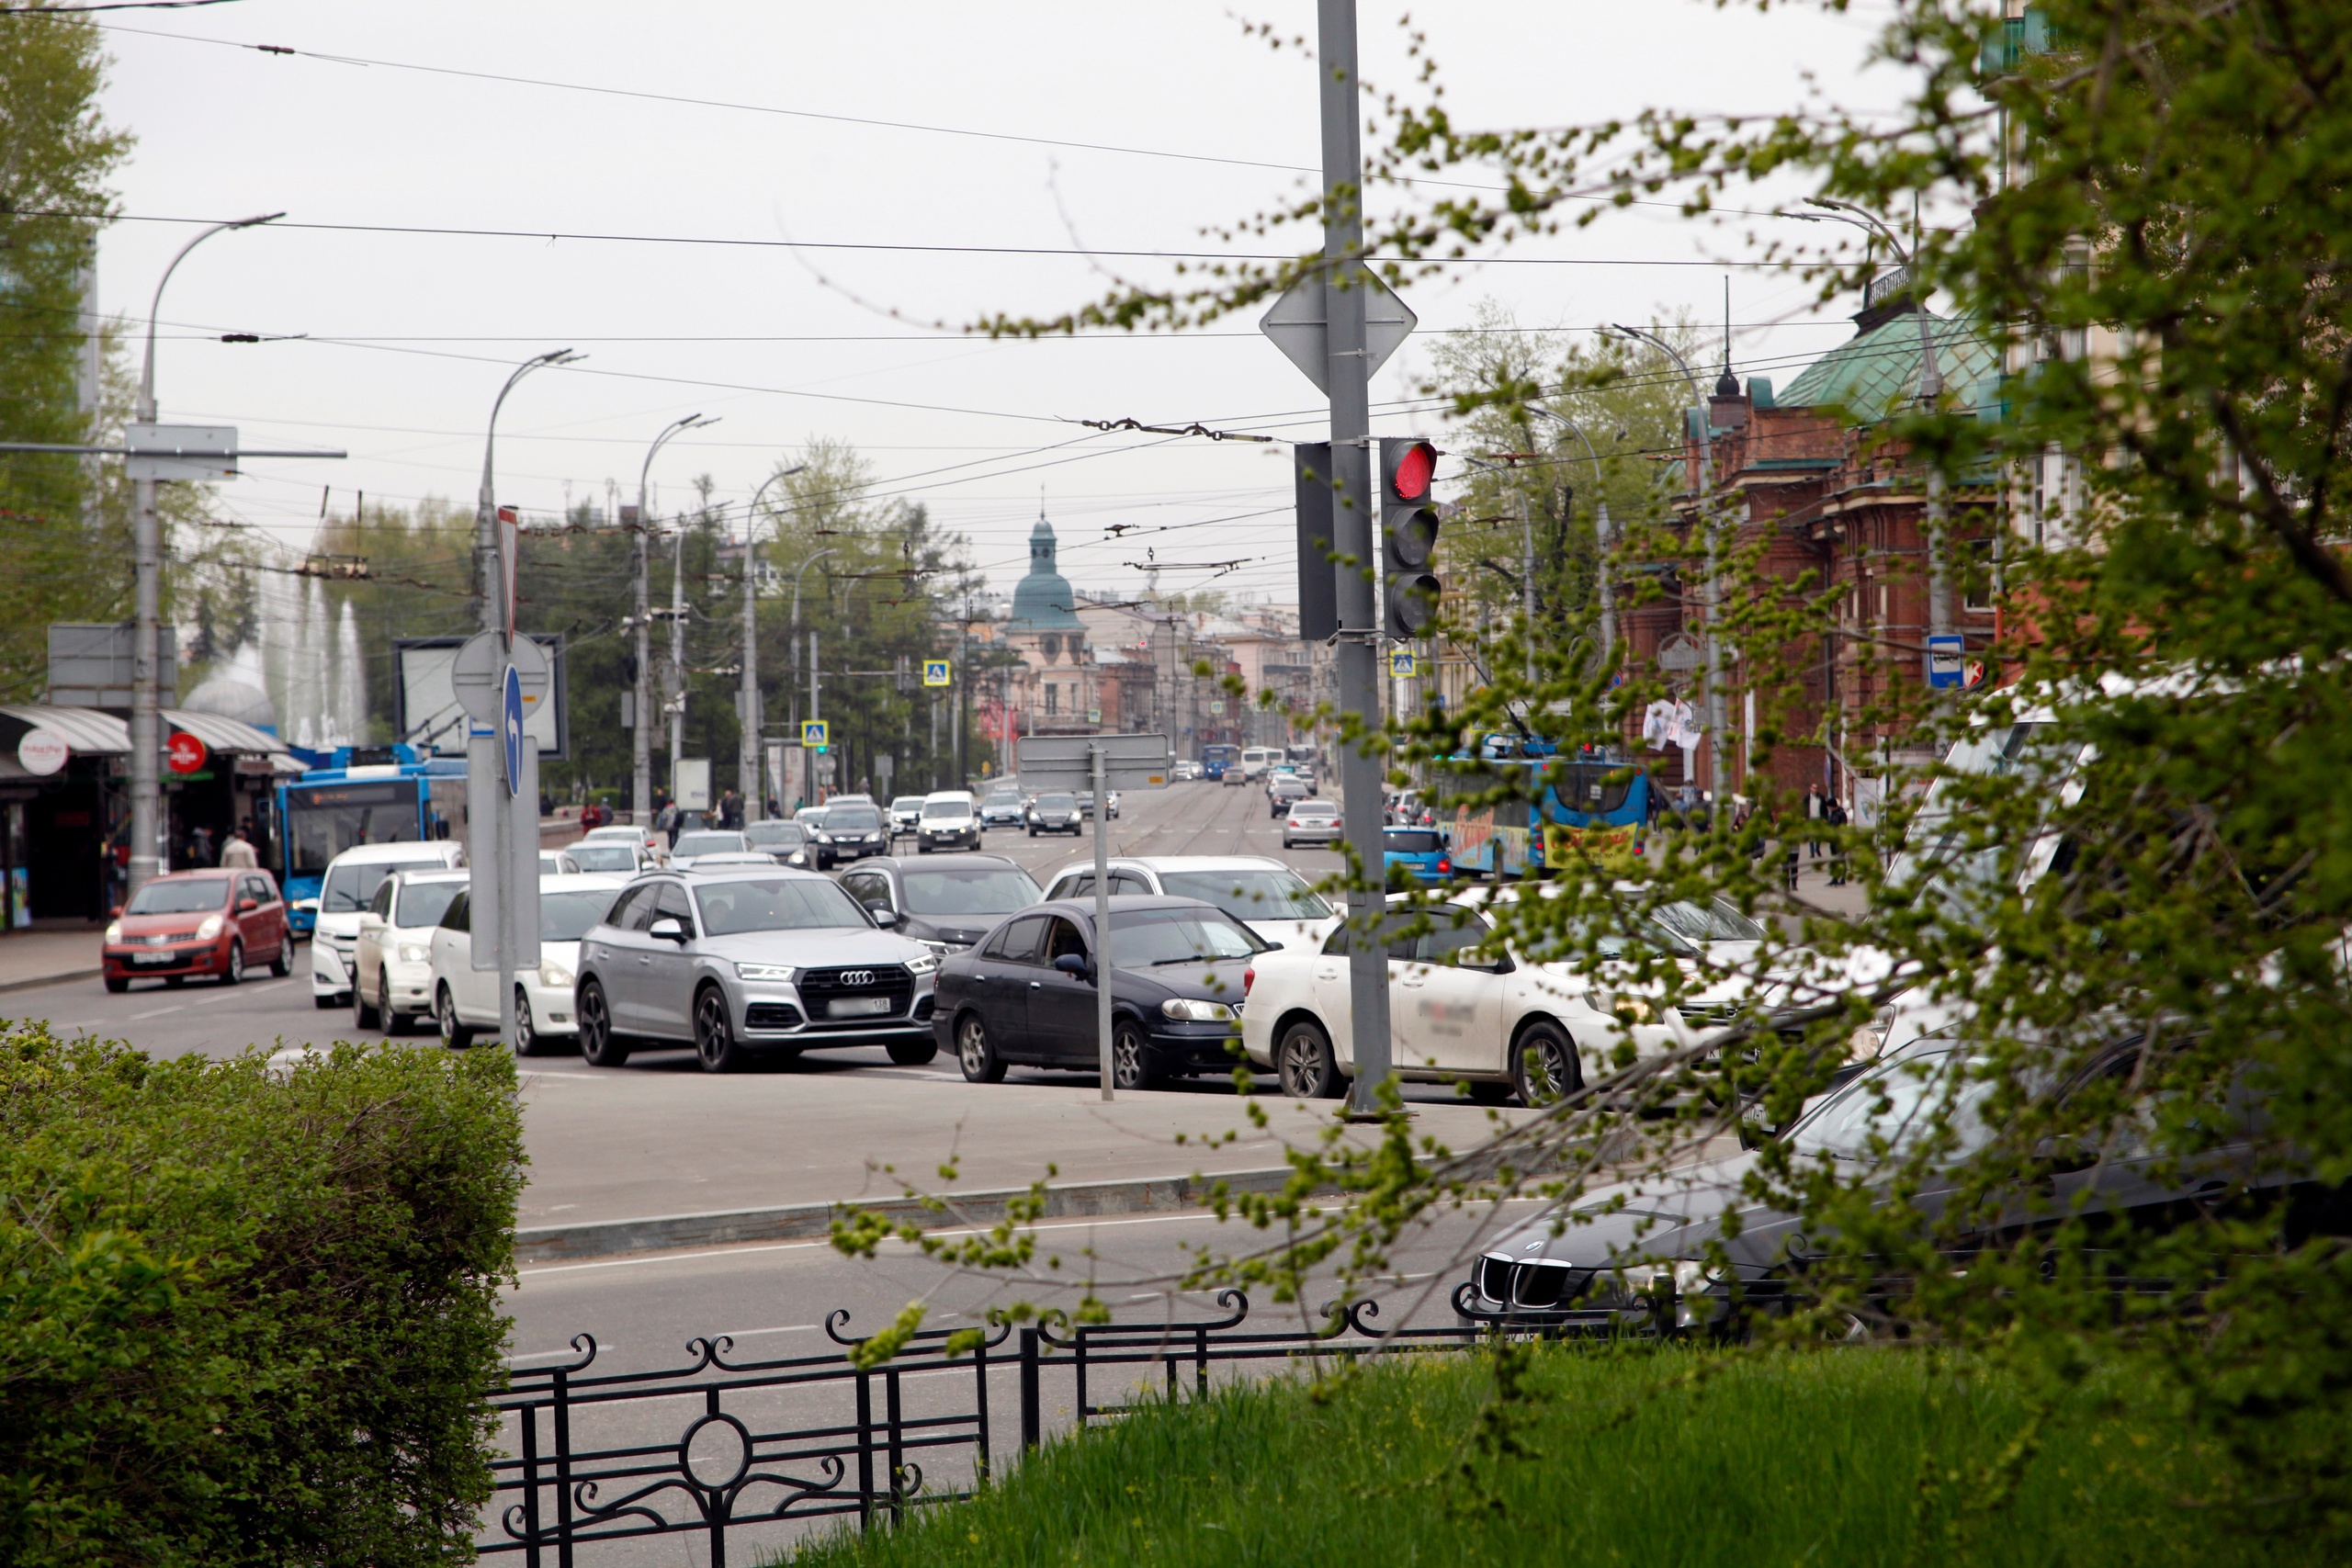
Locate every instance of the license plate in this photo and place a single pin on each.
(145, 960)
(857, 1007)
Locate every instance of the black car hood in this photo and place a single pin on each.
(962, 931)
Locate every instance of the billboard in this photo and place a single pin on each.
(425, 711)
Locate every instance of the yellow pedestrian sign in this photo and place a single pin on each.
(936, 672)
(1400, 664)
(813, 734)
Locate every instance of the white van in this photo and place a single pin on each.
(345, 894)
(1256, 759)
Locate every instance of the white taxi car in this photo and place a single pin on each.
(466, 1000)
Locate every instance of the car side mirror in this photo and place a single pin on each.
(669, 928)
(885, 918)
(247, 905)
(369, 920)
(1072, 965)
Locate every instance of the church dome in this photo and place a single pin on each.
(1043, 602)
(227, 697)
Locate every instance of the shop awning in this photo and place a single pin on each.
(87, 732)
(234, 735)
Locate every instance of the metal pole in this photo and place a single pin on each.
(641, 738)
(147, 570)
(1344, 293)
(676, 702)
(1103, 970)
(1527, 589)
(747, 762)
(814, 713)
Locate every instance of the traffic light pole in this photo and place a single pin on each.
(1346, 291)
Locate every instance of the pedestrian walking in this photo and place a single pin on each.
(1834, 816)
(1815, 800)
(239, 852)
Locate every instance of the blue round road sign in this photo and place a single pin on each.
(510, 728)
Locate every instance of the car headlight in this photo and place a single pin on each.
(1867, 1042)
(938, 950)
(113, 931)
(796, 858)
(1632, 1009)
(928, 963)
(415, 953)
(824, 837)
(1193, 1010)
(763, 971)
(554, 977)
(209, 928)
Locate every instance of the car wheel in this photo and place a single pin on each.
(395, 1022)
(1544, 1068)
(714, 1041)
(235, 972)
(975, 1052)
(1132, 1065)
(362, 1015)
(599, 1045)
(1486, 1091)
(118, 982)
(913, 1053)
(923, 849)
(283, 965)
(1303, 1061)
(454, 1034)
(1033, 832)
(527, 1036)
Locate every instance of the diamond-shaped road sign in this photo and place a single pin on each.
(1297, 325)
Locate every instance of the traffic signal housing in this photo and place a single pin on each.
(1409, 524)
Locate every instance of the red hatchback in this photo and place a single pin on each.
(199, 922)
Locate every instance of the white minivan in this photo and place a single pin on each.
(466, 1000)
(344, 893)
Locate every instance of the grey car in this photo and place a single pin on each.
(749, 962)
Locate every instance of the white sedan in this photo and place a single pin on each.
(465, 999)
(1459, 1009)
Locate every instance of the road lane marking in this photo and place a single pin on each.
(138, 1017)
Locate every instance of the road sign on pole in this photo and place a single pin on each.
(1946, 656)
(1400, 664)
(1299, 323)
(815, 733)
(511, 739)
(938, 672)
(478, 676)
(1133, 762)
(488, 796)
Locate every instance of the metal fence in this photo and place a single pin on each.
(763, 1444)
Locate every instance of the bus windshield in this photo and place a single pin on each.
(323, 821)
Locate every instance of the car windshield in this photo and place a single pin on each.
(946, 808)
(348, 887)
(851, 819)
(692, 844)
(1414, 841)
(179, 898)
(1254, 894)
(907, 803)
(1057, 802)
(775, 836)
(602, 857)
(423, 903)
(973, 890)
(1315, 808)
(782, 904)
(1900, 1105)
(566, 917)
(1713, 921)
(1151, 937)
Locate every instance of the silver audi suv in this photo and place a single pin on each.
(749, 962)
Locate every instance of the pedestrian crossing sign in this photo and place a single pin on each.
(814, 733)
(935, 673)
(1400, 664)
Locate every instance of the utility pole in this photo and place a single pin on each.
(1346, 288)
(814, 713)
(1601, 535)
(642, 733)
(674, 698)
(747, 761)
(147, 568)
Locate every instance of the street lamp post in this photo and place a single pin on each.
(807, 768)
(1605, 584)
(641, 700)
(747, 764)
(1713, 591)
(487, 591)
(147, 564)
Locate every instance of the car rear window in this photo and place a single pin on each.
(1415, 842)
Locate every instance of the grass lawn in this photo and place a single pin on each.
(1671, 1459)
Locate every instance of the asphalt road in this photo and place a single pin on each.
(1188, 818)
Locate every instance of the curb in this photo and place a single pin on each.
(662, 1233)
(64, 978)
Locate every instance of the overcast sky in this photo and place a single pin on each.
(410, 334)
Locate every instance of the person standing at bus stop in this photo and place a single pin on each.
(238, 852)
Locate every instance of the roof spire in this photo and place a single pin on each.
(1726, 383)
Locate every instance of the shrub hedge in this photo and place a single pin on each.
(247, 1315)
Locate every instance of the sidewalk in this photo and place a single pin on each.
(45, 958)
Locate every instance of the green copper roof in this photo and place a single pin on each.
(1042, 602)
(1870, 375)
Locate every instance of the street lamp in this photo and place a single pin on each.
(807, 767)
(1713, 592)
(1602, 533)
(147, 564)
(642, 735)
(747, 763)
(485, 509)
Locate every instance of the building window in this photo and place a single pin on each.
(1053, 697)
(1976, 576)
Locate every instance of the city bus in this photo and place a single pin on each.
(1215, 760)
(369, 794)
(1594, 802)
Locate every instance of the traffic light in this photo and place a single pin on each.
(1409, 524)
(1319, 592)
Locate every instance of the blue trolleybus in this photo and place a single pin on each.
(390, 795)
(1215, 760)
(1592, 801)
